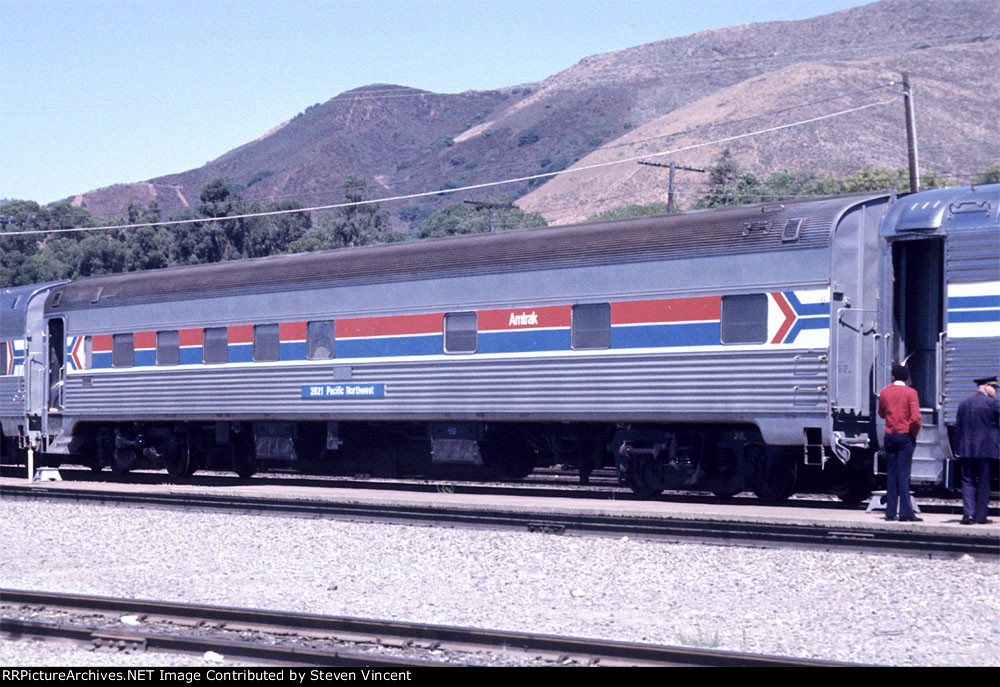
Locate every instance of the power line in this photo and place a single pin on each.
(584, 151)
(472, 187)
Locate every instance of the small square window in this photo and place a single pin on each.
(744, 319)
(215, 347)
(320, 339)
(266, 342)
(461, 332)
(122, 350)
(168, 348)
(591, 326)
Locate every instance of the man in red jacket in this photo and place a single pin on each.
(900, 407)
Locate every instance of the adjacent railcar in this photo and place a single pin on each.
(22, 362)
(720, 350)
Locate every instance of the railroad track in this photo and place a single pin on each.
(542, 483)
(301, 639)
(916, 541)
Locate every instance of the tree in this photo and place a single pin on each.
(728, 185)
(463, 218)
(655, 208)
(205, 242)
(990, 176)
(40, 257)
(353, 225)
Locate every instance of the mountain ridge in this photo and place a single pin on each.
(406, 140)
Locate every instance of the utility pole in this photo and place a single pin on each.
(911, 135)
(480, 204)
(670, 189)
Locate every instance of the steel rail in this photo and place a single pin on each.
(910, 541)
(590, 651)
(154, 641)
(539, 484)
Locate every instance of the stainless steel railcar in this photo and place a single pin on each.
(720, 350)
(21, 338)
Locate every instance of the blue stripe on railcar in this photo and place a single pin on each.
(974, 315)
(526, 341)
(666, 335)
(429, 344)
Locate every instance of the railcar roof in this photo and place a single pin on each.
(748, 229)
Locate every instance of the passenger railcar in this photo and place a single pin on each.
(719, 350)
(21, 315)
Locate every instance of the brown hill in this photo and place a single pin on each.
(407, 141)
(956, 101)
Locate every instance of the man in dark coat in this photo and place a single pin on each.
(977, 434)
(898, 404)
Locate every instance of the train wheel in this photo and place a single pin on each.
(775, 476)
(244, 459)
(725, 494)
(177, 459)
(851, 483)
(122, 461)
(639, 478)
(509, 454)
(196, 460)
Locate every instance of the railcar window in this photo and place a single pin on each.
(591, 326)
(266, 342)
(88, 352)
(216, 345)
(3, 358)
(122, 350)
(320, 339)
(461, 332)
(168, 348)
(744, 319)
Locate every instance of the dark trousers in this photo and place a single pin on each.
(975, 487)
(899, 462)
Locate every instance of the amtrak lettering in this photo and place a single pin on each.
(523, 320)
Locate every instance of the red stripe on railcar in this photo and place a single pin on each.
(241, 333)
(292, 331)
(521, 318)
(666, 310)
(191, 337)
(145, 340)
(400, 325)
(102, 343)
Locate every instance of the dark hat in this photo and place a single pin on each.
(992, 381)
(900, 373)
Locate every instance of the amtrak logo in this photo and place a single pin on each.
(804, 310)
(523, 320)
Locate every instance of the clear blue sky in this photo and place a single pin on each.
(96, 92)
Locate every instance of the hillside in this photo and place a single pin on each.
(955, 102)
(406, 141)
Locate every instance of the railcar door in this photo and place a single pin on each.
(34, 362)
(854, 315)
(918, 314)
(56, 358)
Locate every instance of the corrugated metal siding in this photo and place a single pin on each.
(966, 360)
(666, 237)
(973, 255)
(606, 387)
(12, 396)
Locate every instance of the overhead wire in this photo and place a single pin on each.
(586, 151)
(490, 184)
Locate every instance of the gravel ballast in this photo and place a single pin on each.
(857, 607)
